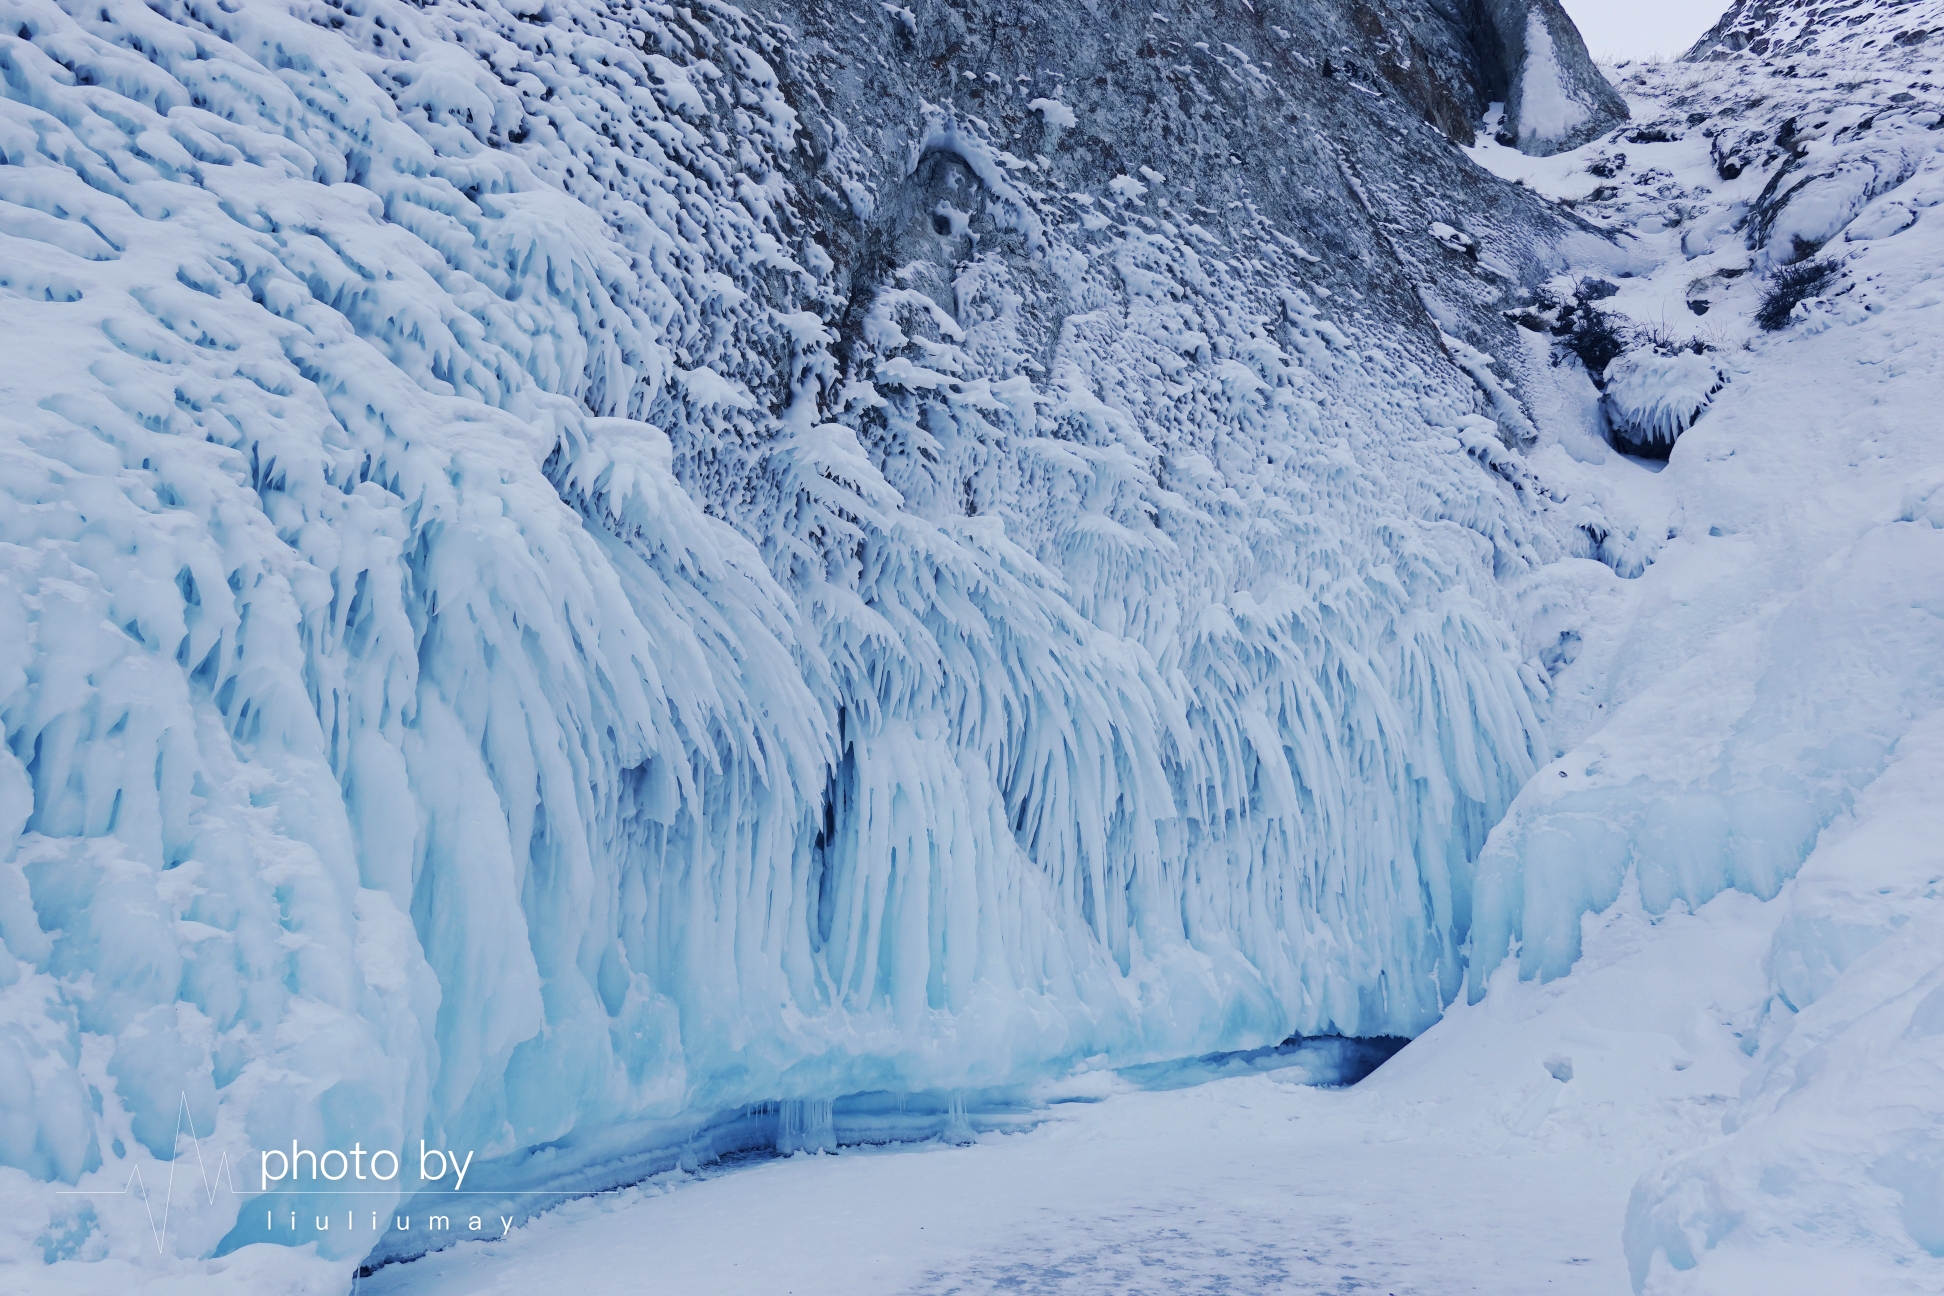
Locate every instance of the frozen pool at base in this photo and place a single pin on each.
(542, 1179)
(1463, 1165)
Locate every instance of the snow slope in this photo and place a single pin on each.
(1764, 702)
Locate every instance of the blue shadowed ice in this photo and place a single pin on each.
(476, 667)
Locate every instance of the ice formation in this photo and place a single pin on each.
(1554, 99)
(1548, 111)
(496, 648)
(587, 582)
(1651, 398)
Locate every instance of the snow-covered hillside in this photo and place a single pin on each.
(1764, 702)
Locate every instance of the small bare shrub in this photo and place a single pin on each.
(1789, 286)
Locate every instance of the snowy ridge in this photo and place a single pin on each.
(480, 665)
(1780, 29)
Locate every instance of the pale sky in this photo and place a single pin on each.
(1617, 29)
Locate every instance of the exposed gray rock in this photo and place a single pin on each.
(1555, 98)
(1313, 138)
(1745, 26)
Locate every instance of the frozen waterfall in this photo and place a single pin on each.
(483, 660)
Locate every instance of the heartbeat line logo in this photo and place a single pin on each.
(161, 1229)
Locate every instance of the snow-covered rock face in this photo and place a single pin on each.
(1555, 99)
(573, 568)
(1725, 155)
(1842, 142)
(1780, 30)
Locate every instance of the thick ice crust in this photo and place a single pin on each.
(572, 570)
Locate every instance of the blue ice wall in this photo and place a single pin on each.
(476, 666)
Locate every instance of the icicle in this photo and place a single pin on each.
(805, 1125)
(958, 1128)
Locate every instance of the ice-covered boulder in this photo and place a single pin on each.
(1652, 397)
(1815, 195)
